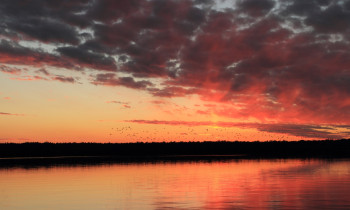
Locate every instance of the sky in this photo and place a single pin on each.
(174, 70)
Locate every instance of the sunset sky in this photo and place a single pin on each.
(174, 70)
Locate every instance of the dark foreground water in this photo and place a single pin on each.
(227, 184)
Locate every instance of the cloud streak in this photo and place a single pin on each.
(10, 114)
(300, 130)
(41, 74)
(123, 104)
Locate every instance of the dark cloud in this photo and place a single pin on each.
(72, 58)
(46, 30)
(43, 20)
(110, 79)
(64, 79)
(13, 53)
(300, 7)
(256, 7)
(131, 83)
(110, 10)
(13, 49)
(88, 58)
(335, 19)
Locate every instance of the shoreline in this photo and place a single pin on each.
(28, 153)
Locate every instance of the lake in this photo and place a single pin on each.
(220, 184)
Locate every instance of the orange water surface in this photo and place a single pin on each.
(229, 184)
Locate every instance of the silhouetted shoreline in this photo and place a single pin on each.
(279, 149)
(32, 155)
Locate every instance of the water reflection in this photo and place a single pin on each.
(229, 184)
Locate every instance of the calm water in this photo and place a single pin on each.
(236, 184)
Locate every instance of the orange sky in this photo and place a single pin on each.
(127, 71)
(59, 112)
